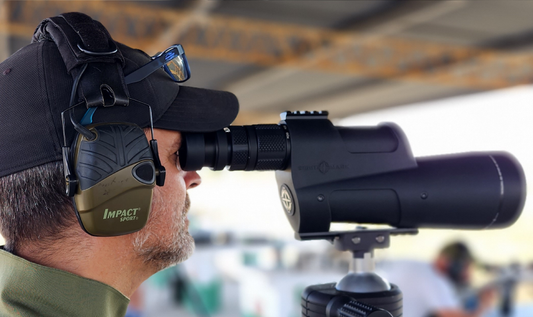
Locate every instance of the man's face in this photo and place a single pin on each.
(459, 272)
(165, 240)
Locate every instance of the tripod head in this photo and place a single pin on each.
(361, 293)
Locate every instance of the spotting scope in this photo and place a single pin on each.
(328, 173)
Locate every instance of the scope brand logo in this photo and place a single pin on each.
(287, 200)
(123, 214)
(323, 167)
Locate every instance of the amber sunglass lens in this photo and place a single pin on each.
(177, 68)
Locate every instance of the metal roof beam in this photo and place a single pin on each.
(274, 44)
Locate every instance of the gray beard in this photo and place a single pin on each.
(156, 246)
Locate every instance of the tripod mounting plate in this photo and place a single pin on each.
(358, 241)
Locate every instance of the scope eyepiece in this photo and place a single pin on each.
(241, 148)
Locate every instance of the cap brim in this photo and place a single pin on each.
(199, 110)
(175, 107)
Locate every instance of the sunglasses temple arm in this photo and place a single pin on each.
(144, 71)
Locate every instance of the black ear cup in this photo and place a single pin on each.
(116, 174)
(115, 147)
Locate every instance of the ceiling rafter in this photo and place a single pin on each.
(270, 44)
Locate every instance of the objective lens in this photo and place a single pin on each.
(249, 148)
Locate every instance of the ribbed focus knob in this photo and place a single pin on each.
(357, 309)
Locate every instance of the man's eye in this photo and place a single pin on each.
(177, 159)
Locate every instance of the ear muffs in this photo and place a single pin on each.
(110, 169)
(112, 178)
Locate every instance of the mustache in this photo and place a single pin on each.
(187, 204)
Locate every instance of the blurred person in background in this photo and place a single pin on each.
(435, 289)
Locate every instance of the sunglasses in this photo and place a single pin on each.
(173, 61)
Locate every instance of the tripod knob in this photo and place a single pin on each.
(357, 309)
(325, 300)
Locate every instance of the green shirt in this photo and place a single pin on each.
(29, 289)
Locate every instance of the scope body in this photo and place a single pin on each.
(364, 175)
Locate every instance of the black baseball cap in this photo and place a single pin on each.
(35, 88)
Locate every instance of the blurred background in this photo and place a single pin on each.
(455, 75)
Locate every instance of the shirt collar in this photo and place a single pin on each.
(30, 288)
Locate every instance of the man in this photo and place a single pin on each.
(433, 289)
(50, 265)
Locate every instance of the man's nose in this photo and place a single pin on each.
(192, 179)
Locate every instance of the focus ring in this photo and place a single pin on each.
(272, 147)
(239, 144)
